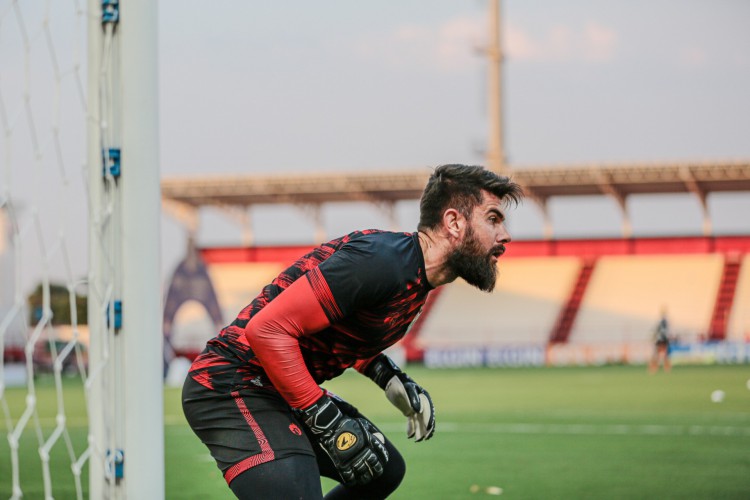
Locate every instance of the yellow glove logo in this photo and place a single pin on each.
(345, 441)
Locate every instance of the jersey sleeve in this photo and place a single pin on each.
(363, 272)
(273, 334)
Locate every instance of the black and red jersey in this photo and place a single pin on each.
(371, 285)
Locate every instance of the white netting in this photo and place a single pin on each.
(43, 242)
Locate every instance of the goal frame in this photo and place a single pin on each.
(126, 416)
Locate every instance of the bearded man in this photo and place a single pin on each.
(253, 396)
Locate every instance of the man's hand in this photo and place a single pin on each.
(415, 403)
(353, 444)
(406, 395)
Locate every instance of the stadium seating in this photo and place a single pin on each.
(237, 284)
(522, 310)
(626, 296)
(632, 282)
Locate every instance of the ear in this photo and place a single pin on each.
(453, 222)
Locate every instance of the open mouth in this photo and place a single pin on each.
(497, 252)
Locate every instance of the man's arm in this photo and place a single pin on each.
(273, 334)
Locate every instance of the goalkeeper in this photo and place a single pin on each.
(253, 396)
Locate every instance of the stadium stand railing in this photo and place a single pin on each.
(564, 323)
(723, 305)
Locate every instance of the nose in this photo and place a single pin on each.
(503, 236)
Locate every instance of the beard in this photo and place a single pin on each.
(475, 267)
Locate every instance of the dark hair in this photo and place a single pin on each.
(460, 187)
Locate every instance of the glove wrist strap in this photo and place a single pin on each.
(381, 370)
(322, 415)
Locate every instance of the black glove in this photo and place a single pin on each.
(354, 445)
(406, 395)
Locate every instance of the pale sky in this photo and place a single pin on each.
(338, 85)
(335, 85)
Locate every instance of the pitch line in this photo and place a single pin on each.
(586, 429)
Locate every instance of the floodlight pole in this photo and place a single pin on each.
(496, 160)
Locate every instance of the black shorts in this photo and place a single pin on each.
(243, 429)
(248, 428)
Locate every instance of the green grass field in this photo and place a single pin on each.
(544, 433)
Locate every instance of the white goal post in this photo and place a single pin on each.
(126, 407)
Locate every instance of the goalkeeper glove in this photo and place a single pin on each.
(354, 445)
(406, 395)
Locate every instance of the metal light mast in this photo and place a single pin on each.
(495, 147)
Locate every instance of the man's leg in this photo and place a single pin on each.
(295, 477)
(256, 430)
(378, 488)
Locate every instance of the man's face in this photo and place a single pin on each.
(483, 243)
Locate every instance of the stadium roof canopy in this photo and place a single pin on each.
(385, 187)
(389, 186)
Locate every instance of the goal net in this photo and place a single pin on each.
(81, 370)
